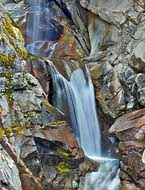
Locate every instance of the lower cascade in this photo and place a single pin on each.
(105, 179)
(77, 100)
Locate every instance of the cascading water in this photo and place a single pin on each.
(42, 30)
(75, 97)
(77, 100)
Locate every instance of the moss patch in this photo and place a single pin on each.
(63, 168)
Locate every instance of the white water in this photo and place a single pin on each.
(76, 99)
(42, 30)
(105, 179)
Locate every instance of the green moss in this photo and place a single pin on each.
(55, 124)
(32, 57)
(10, 100)
(130, 171)
(7, 27)
(29, 115)
(63, 168)
(6, 60)
(64, 153)
(1, 37)
(14, 37)
(9, 132)
(8, 92)
(49, 106)
(7, 75)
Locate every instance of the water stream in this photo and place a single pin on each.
(75, 97)
(77, 100)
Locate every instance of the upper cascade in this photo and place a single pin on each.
(43, 30)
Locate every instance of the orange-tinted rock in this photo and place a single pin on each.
(129, 122)
(29, 182)
(61, 134)
(67, 54)
(67, 47)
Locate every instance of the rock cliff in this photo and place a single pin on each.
(109, 36)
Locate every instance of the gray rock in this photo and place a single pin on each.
(140, 82)
(9, 176)
(139, 57)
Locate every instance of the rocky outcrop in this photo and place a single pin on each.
(129, 129)
(119, 54)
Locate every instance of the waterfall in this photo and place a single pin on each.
(75, 97)
(42, 30)
(105, 179)
(77, 100)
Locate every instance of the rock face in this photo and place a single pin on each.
(130, 131)
(109, 37)
(36, 130)
(9, 179)
(119, 54)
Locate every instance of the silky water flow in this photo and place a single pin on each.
(75, 97)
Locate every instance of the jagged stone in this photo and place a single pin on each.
(111, 11)
(138, 57)
(9, 176)
(129, 129)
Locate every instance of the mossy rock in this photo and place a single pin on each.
(64, 168)
(11, 41)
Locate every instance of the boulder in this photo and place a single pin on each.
(111, 11)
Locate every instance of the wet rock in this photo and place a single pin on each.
(78, 23)
(59, 159)
(37, 67)
(62, 134)
(110, 93)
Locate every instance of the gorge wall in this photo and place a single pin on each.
(109, 36)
